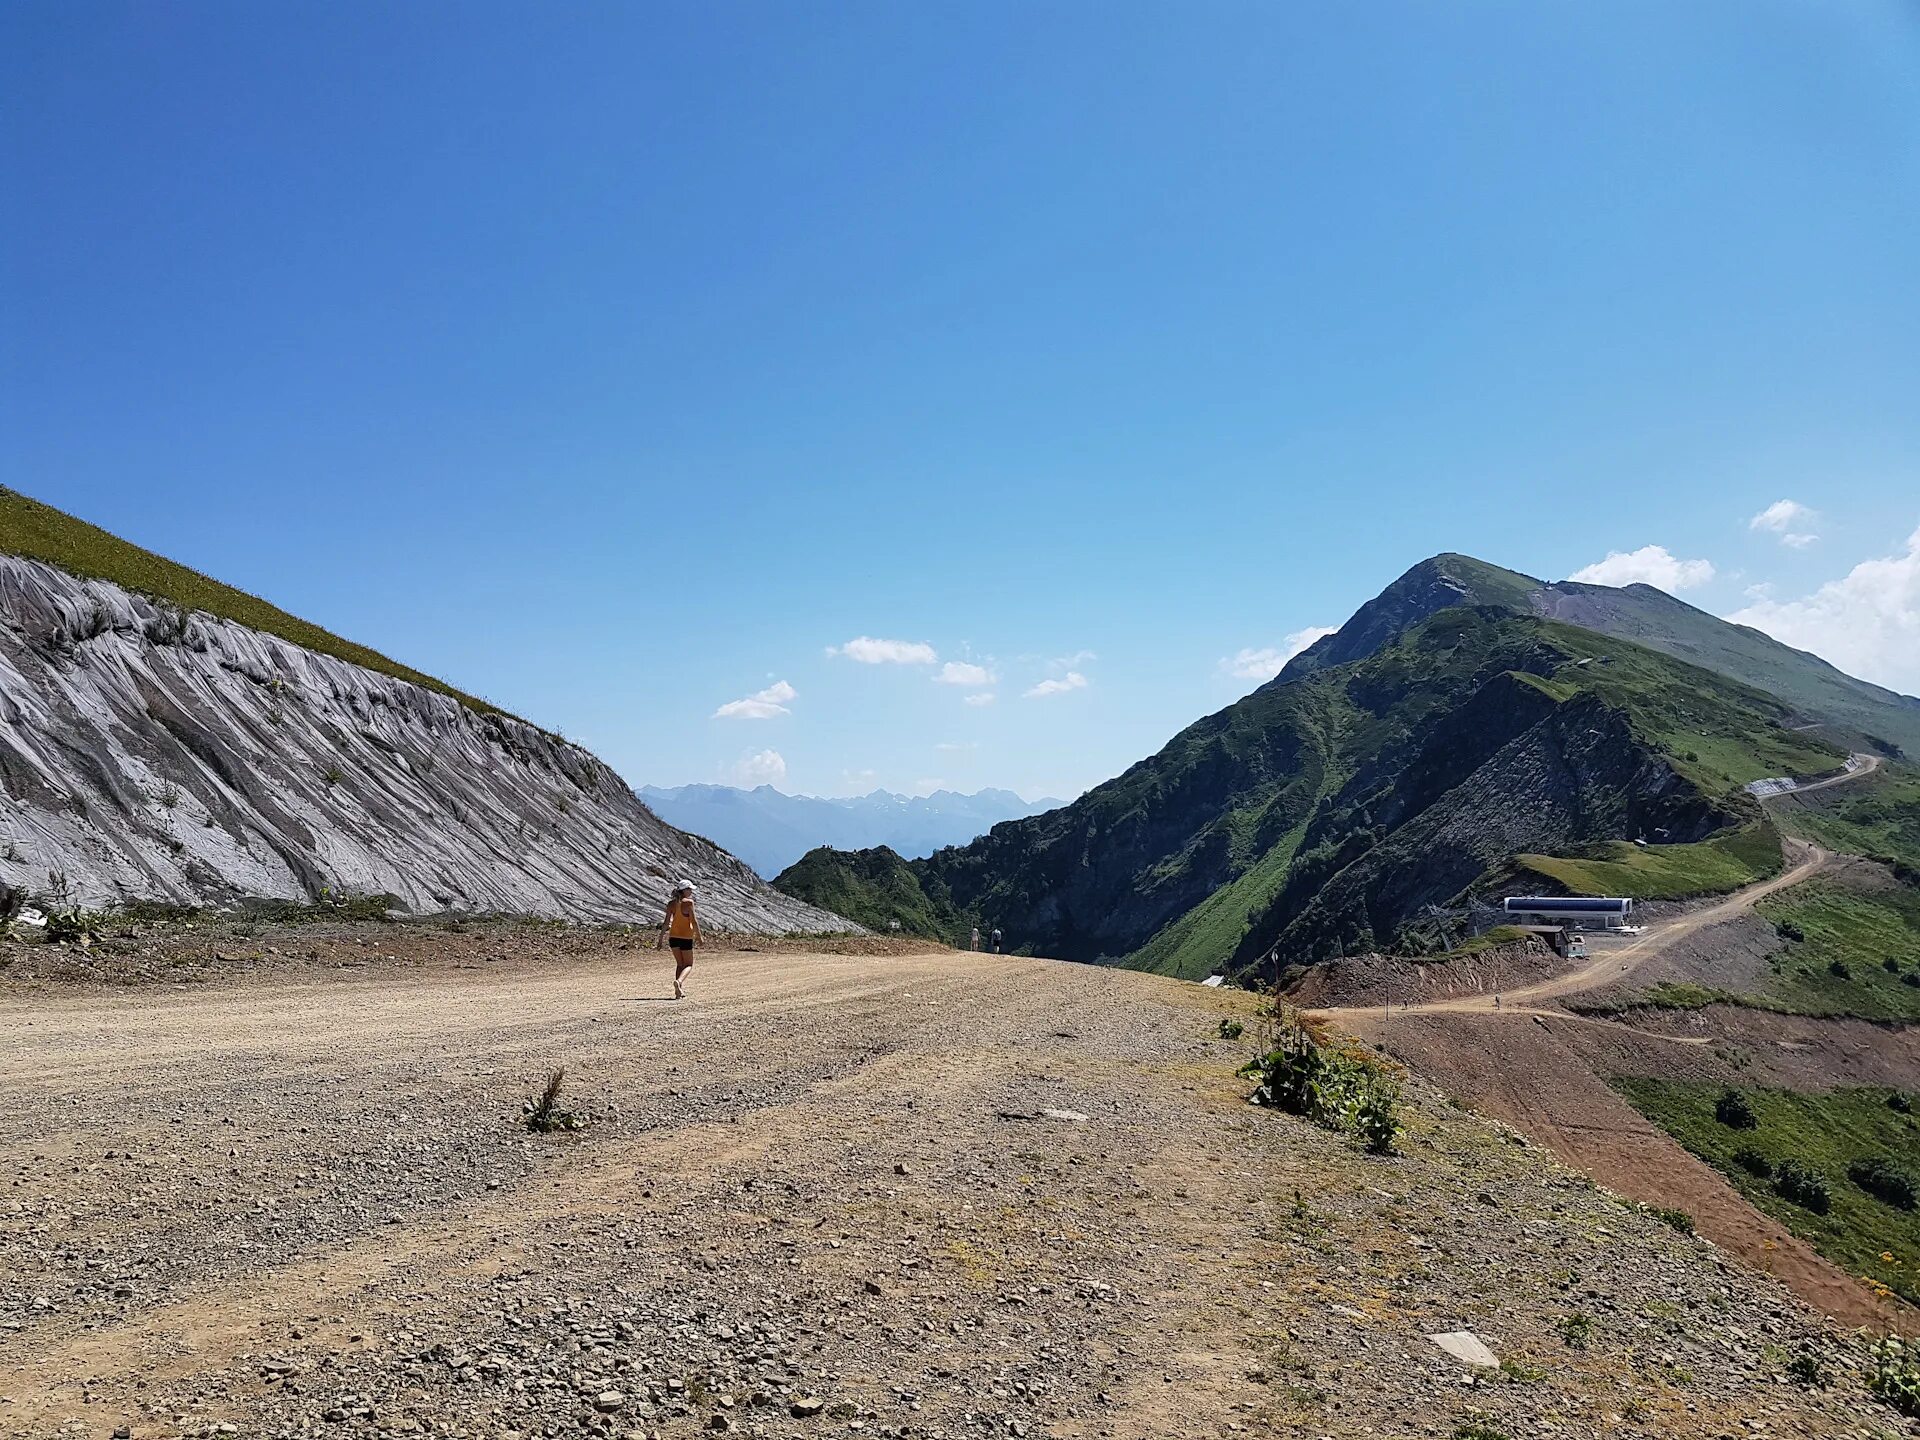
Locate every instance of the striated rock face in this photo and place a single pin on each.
(147, 754)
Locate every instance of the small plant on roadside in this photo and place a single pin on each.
(1231, 1029)
(1735, 1111)
(1804, 1186)
(1339, 1088)
(1886, 1180)
(544, 1113)
(1577, 1329)
(1896, 1375)
(74, 926)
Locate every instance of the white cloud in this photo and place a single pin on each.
(959, 672)
(1269, 660)
(956, 747)
(1072, 680)
(980, 697)
(1649, 565)
(763, 705)
(1790, 520)
(869, 651)
(1867, 622)
(763, 767)
(1060, 664)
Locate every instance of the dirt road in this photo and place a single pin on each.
(914, 1195)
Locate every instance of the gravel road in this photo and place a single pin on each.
(906, 1195)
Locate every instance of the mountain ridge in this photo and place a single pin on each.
(1449, 725)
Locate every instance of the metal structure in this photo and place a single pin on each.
(1608, 911)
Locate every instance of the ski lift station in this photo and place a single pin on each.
(1608, 912)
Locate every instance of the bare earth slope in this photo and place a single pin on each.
(146, 754)
(923, 1196)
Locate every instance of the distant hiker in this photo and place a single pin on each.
(996, 939)
(974, 944)
(682, 931)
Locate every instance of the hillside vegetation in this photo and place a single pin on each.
(1827, 1136)
(40, 532)
(1660, 872)
(1847, 951)
(1444, 730)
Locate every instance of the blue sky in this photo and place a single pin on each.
(619, 361)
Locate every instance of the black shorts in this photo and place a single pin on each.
(679, 942)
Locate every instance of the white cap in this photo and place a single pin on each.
(687, 885)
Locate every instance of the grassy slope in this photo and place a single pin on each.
(39, 532)
(1824, 1131)
(1803, 681)
(1665, 872)
(1878, 815)
(1859, 930)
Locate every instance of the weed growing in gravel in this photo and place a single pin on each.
(74, 926)
(1338, 1087)
(1896, 1375)
(544, 1115)
(1477, 1430)
(1521, 1372)
(1577, 1329)
(1231, 1029)
(1678, 1219)
(1807, 1369)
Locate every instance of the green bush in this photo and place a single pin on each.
(1231, 1029)
(1804, 1186)
(1885, 1180)
(1678, 1219)
(1753, 1162)
(1338, 1088)
(1896, 1375)
(1734, 1110)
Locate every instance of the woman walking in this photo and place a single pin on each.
(683, 933)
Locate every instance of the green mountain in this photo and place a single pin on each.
(1453, 730)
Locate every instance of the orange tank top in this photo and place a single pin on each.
(680, 921)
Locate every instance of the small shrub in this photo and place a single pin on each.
(1678, 1219)
(1804, 1186)
(1885, 1180)
(1787, 930)
(1477, 1430)
(74, 926)
(1753, 1162)
(1840, 970)
(333, 774)
(1900, 1102)
(1577, 1329)
(1891, 964)
(1807, 1369)
(1896, 1375)
(1735, 1111)
(1231, 1029)
(1338, 1088)
(544, 1115)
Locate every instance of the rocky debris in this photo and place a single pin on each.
(187, 759)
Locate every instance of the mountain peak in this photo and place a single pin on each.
(1433, 585)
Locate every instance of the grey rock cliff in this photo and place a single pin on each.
(146, 754)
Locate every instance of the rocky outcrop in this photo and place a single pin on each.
(148, 753)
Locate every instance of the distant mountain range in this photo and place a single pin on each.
(770, 829)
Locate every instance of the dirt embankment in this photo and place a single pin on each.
(1392, 980)
(918, 1195)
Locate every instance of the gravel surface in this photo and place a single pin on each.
(899, 1195)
